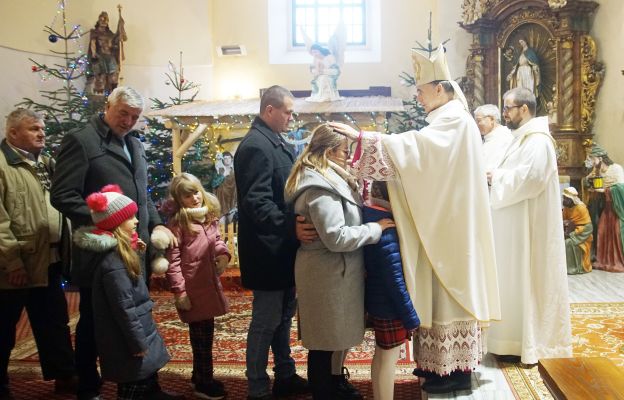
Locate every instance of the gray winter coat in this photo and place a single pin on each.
(329, 273)
(122, 312)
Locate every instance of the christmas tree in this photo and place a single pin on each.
(157, 139)
(413, 118)
(65, 107)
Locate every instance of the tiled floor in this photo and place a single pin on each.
(488, 382)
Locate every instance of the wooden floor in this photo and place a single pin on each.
(488, 381)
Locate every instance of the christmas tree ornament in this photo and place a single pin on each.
(62, 100)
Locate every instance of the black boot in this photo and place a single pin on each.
(457, 380)
(343, 389)
(421, 373)
(319, 374)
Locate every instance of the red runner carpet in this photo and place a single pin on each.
(229, 355)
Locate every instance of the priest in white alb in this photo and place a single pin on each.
(439, 196)
(530, 247)
(496, 137)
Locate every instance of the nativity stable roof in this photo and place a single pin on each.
(251, 107)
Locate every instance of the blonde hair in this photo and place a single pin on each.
(128, 255)
(185, 184)
(315, 156)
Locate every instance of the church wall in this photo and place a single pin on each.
(159, 29)
(608, 31)
(402, 23)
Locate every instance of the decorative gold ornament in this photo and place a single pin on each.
(556, 4)
(562, 152)
(592, 74)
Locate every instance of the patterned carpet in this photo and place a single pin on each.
(597, 331)
(229, 355)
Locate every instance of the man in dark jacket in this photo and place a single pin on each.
(103, 152)
(267, 245)
(31, 256)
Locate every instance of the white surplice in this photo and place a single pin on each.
(439, 197)
(530, 249)
(495, 144)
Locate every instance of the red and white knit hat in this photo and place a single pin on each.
(110, 208)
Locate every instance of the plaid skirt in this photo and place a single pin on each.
(389, 333)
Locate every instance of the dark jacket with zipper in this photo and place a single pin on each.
(122, 314)
(386, 294)
(266, 238)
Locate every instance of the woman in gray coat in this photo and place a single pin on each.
(329, 273)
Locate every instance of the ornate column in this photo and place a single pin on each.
(567, 83)
(478, 81)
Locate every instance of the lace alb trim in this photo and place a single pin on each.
(446, 348)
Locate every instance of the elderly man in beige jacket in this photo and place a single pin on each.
(30, 256)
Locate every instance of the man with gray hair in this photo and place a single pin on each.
(496, 137)
(31, 256)
(103, 152)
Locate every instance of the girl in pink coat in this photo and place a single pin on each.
(194, 268)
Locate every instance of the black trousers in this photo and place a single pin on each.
(319, 374)
(201, 334)
(47, 312)
(86, 351)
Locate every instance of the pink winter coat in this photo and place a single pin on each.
(192, 269)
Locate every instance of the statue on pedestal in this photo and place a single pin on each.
(105, 54)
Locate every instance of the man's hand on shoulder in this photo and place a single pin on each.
(306, 233)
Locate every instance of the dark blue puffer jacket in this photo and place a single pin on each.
(386, 293)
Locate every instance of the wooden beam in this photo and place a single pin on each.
(175, 145)
(180, 150)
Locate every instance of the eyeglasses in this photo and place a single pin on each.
(507, 108)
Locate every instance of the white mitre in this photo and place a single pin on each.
(430, 68)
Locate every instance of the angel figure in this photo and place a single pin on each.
(325, 67)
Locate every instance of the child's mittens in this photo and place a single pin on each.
(160, 241)
(159, 265)
(221, 263)
(182, 302)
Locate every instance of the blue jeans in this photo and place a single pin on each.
(271, 319)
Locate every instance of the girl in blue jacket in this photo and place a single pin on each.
(387, 302)
(130, 348)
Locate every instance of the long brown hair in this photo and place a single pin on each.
(185, 184)
(128, 255)
(315, 156)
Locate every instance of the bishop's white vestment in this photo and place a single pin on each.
(494, 145)
(438, 190)
(530, 249)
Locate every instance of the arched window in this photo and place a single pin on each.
(319, 18)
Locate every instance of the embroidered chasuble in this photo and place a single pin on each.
(438, 190)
